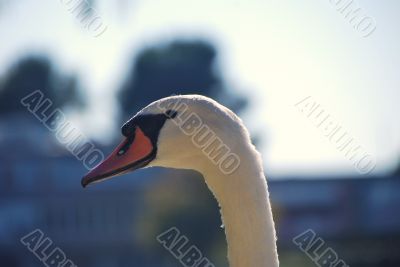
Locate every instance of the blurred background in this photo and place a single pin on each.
(101, 61)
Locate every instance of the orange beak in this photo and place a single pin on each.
(134, 152)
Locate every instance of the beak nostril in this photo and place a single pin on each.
(135, 152)
(127, 145)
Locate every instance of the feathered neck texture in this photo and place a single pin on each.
(246, 211)
(242, 195)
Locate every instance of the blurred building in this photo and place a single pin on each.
(358, 217)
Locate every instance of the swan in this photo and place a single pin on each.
(195, 132)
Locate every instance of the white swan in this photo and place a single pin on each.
(195, 132)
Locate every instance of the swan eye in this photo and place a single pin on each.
(171, 113)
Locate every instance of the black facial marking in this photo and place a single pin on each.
(128, 143)
(150, 124)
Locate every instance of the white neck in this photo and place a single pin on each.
(246, 212)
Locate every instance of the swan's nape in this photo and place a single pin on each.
(196, 132)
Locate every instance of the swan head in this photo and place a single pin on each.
(185, 132)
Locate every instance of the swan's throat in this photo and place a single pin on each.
(246, 213)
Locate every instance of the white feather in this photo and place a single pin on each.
(242, 196)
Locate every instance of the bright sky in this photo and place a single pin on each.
(276, 52)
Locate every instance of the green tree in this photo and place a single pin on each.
(182, 67)
(36, 73)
